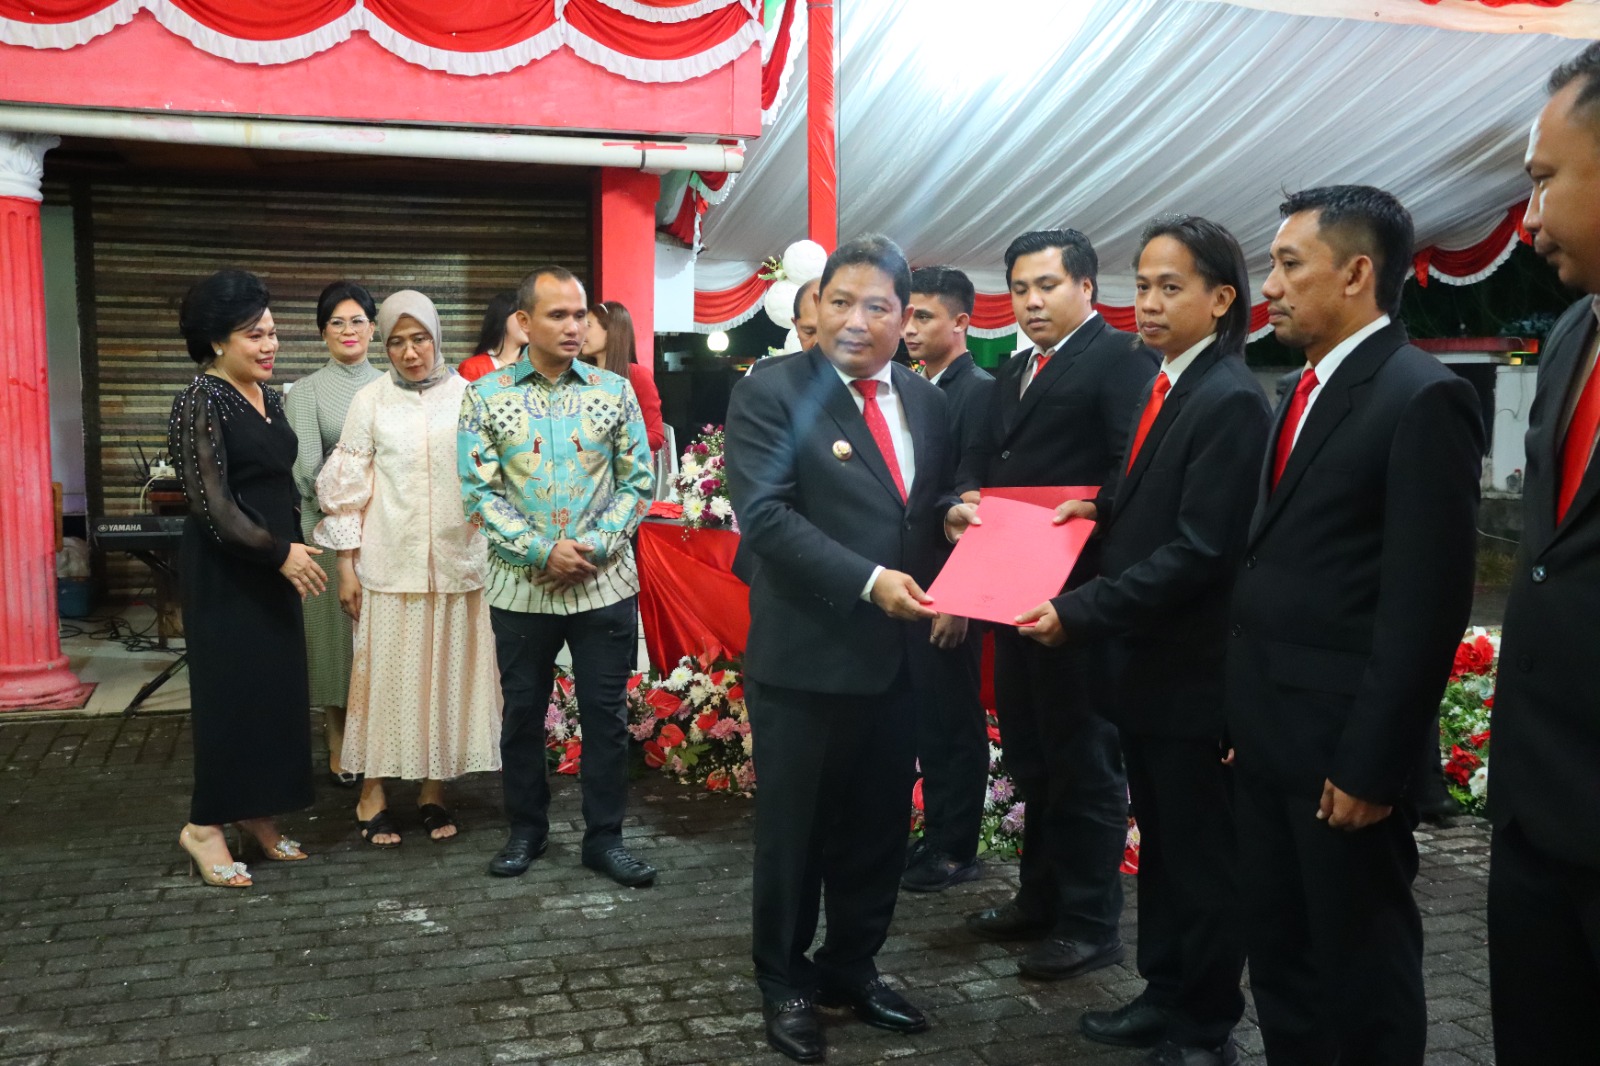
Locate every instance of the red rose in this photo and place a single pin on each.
(706, 721)
(1488, 703)
(664, 702)
(670, 736)
(1462, 763)
(654, 757)
(1478, 740)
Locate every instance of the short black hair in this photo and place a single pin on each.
(492, 334)
(215, 307)
(805, 287)
(953, 288)
(1219, 260)
(1078, 257)
(1362, 220)
(338, 293)
(1585, 65)
(526, 291)
(874, 250)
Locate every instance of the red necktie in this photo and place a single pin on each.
(878, 426)
(1579, 443)
(1291, 423)
(1038, 367)
(1152, 407)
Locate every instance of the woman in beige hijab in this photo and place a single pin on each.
(424, 691)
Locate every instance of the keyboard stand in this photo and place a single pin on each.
(154, 683)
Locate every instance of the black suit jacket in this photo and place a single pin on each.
(1357, 578)
(1546, 716)
(970, 390)
(813, 526)
(1173, 531)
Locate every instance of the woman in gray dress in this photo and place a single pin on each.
(316, 407)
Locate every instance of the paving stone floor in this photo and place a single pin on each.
(110, 953)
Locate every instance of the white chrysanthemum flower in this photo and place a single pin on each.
(1478, 784)
(698, 693)
(690, 467)
(721, 507)
(693, 508)
(749, 745)
(680, 677)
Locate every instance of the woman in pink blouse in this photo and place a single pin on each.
(424, 690)
(609, 345)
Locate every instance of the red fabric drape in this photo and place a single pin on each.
(654, 40)
(822, 144)
(465, 25)
(1509, 3)
(725, 304)
(992, 310)
(682, 227)
(689, 600)
(53, 11)
(772, 70)
(1466, 262)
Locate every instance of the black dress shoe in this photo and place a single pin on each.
(1058, 958)
(620, 865)
(793, 1029)
(1007, 922)
(876, 1004)
(1169, 1054)
(1136, 1024)
(514, 859)
(937, 872)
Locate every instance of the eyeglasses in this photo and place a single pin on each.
(420, 341)
(357, 323)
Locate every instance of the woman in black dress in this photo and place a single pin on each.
(243, 573)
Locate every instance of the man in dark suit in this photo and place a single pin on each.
(952, 728)
(1354, 593)
(1544, 870)
(1173, 524)
(839, 466)
(1060, 415)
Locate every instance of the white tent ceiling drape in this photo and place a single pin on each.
(962, 125)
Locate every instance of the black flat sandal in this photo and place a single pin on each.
(379, 823)
(435, 817)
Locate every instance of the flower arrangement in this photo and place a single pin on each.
(701, 483)
(693, 725)
(563, 739)
(1464, 714)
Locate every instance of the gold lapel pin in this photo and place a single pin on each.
(842, 450)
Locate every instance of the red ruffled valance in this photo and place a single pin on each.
(644, 40)
(1463, 266)
(726, 308)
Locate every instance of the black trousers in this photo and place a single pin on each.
(1191, 946)
(1067, 764)
(603, 654)
(1332, 932)
(952, 745)
(833, 801)
(1544, 955)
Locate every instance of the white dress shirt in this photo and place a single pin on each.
(1033, 359)
(1330, 365)
(894, 414)
(1178, 364)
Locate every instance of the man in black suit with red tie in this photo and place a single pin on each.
(1060, 415)
(1173, 524)
(1354, 593)
(839, 465)
(952, 727)
(1544, 869)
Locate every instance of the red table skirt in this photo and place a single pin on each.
(689, 599)
(692, 604)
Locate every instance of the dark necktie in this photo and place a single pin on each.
(878, 426)
(1579, 443)
(1291, 423)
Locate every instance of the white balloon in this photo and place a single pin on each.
(791, 343)
(779, 303)
(804, 260)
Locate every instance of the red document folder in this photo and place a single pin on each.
(1014, 561)
(1043, 495)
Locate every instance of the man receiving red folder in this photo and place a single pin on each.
(1173, 524)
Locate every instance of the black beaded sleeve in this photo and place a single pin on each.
(194, 438)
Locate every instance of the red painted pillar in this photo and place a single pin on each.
(625, 249)
(33, 672)
(822, 146)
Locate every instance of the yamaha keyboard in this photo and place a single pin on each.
(137, 532)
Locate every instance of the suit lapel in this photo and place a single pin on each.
(1009, 381)
(1057, 368)
(1188, 381)
(1333, 404)
(1541, 509)
(841, 406)
(1258, 517)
